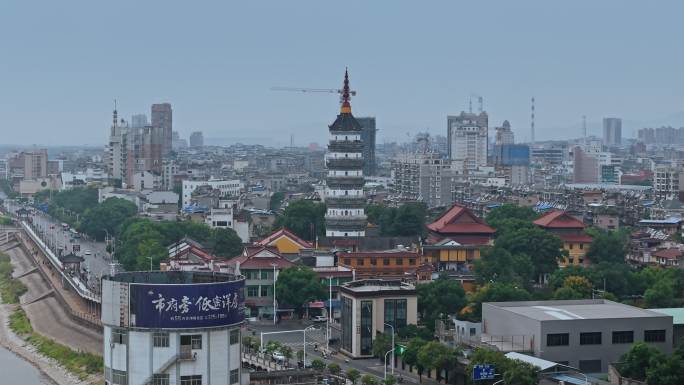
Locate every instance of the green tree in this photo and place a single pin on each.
(381, 345)
(437, 356)
(660, 295)
(299, 285)
(494, 292)
(521, 373)
(498, 265)
(574, 287)
(287, 352)
(353, 375)
(273, 346)
(441, 297)
(410, 355)
(638, 359)
(607, 246)
(508, 217)
(276, 200)
(334, 368)
(405, 220)
(667, 372)
(542, 247)
(304, 218)
(389, 380)
(225, 243)
(318, 365)
(107, 218)
(367, 379)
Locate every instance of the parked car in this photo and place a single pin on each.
(87, 252)
(278, 356)
(320, 318)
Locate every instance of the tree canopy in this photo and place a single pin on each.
(514, 372)
(542, 247)
(304, 218)
(441, 297)
(143, 238)
(607, 246)
(493, 292)
(299, 285)
(107, 217)
(509, 216)
(499, 265)
(405, 220)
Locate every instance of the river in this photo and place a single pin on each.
(17, 371)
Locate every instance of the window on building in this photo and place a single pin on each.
(359, 261)
(581, 245)
(590, 366)
(385, 261)
(373, 261)
(590, 338)
(234, 376)
(654, 335)
(395, 313)
(558, 339)
(160, 379)
(412, 261)
(264, 274)
(160, 340)
(472, 332)
(347, 261)
(399, 261)
(367, 327)
(252, 291)
(234, 336)
(347, 324)
(119, 377)
(193, 340)
(119, 336)
(571, 246)
(191, 380)
(623, 337)
(265, 290)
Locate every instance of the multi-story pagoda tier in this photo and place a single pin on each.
(344, 195)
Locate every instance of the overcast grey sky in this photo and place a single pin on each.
(413, 62)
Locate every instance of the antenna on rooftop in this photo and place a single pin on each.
(532, 122)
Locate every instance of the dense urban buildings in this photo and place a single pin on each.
(344, 193)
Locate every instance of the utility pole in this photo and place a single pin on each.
(275, 312)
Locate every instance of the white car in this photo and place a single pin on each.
(320, 318)
(278, 356)
(87, 252)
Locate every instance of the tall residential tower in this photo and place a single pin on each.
(344, 194)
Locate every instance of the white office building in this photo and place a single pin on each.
(227, 188)
(467, 138)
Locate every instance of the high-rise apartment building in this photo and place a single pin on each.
(139, 121)
(162, 117)
(504, 135)
(196, 139)
(586, 166)
(612, 131)
(368, 139)
(424, 177)
(344, 195)
(467, 137)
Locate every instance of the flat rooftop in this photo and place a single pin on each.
(379, 286)
(574, 310)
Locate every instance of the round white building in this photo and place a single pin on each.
(172, 328)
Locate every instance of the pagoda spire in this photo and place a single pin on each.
(346, 94)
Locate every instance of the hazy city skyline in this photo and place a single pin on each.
(412, 64)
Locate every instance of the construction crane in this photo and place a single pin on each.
(304, 90)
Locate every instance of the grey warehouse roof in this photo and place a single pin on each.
(574, 310)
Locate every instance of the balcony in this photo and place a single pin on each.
(347, 201)
(342, 223)
(345, 182)
(344, 163)
(345, 146)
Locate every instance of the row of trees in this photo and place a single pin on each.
(142, 238)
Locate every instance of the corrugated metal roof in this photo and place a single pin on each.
(677, 314)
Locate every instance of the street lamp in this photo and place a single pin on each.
(385, 366)
(150, 258)
(275, 312)
(327, 326)
(392, 326)
(304, 355)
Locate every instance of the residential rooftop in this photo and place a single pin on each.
(574, 310)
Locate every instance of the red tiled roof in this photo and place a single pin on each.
(668, 253)
(249, 260)
(558, 219)
(576, 238)
(287, 233)
(461, 220)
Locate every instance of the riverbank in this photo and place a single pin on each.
(30, 347)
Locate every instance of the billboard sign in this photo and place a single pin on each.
(483, 372)
(186, 306)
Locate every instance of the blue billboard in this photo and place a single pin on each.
(186, 306)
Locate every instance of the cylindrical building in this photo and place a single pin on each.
(172, 328)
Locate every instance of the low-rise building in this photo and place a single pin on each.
(399, 263)
(367, 305)
(586, 334)
(571, 231)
